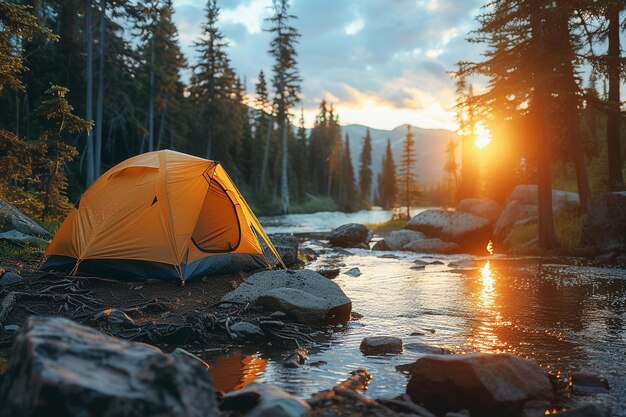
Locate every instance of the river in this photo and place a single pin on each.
(566, 315)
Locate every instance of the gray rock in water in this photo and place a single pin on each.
(9, 278)
(379, 345)
(327, 295)
(60, 368)
(13, 219)
(353, 272)
(264, 400)
(309, 254)
(397, 239)
(246, 331)
(431, 246)
(605, 227)
(589, 383)
(470, 232)
(487, 209)
(485, 384)
(350, 235)
(20, 239)
(426, 349)
(287, 247)
(329, 273)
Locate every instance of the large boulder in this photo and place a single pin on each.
(287, 247)
(60, 368)
(310, 297)
(350, 235)
(485, 384)
(13, 219)
(470, 232)
(605, 227)
(431, 246)
(487, 209)
(521, 207)
(397, 239)
(264, 400)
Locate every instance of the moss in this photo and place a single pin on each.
(8, 250)
(388, 226)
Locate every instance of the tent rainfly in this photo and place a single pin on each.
(161, 214)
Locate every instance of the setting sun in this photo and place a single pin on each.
(483, 136)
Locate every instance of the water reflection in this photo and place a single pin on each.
(235, 371)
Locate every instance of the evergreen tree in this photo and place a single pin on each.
(365, 170)
(406, 174)
(348, 195)
(451, 169)
(286, 80)
(387, 184)
(263, 127)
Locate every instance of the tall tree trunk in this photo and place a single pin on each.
(161, 127)
(151, 101)
(209, 139)
(616, 180)
(546, 235)
(284, 185)
(100, 97)
(266, 154)
(571, 111)
(91, 177)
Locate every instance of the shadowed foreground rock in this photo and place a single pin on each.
(308, 296)
(264, 400)
(60, 368)
(484, 384)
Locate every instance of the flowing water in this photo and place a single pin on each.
(566, 316)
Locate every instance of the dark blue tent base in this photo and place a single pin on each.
(142, 270)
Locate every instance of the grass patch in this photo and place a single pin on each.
(8, 250)
(388, 226)
(568, 225)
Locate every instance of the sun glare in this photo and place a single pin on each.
(483, 136)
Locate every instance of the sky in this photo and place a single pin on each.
(382, 63)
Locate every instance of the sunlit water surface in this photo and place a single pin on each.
(567, 317)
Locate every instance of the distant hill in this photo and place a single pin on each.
(430, 149)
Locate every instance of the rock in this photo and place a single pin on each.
(431, 246)
(417, 334)
(605, 227)
(465, 263)
(589, 410)
(264, 400)
(296, 358)
(388, 256)
(403, 404)
(380, 345)
(182, 353)
(9, 278)
(20, 239)
(311, 288)
(13, 219)
(426, 349)
(397, 239)
(405, 368)
(246, 331)
(418, 267)
(462, 413)
(113, 317)
(436, 263)
(329, 273)
(588, 383)
(60, 368)
(353, 272)
(350, 235)
(484, 384)
(287, 247)
(527, 194)
(487, 209)
(12, 328)
(470, 232)
(309, 254)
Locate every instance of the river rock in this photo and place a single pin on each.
(9, 277)
(350, 235)
(60, 368)
(470, 232)
(397, 239)
(264, 400)
(589, 383)
(353, 272)
(329, 273)
(484, 384)
(13, 219)
(287, 247)
(275, 286)
(605, 227)
(309, 254)
(246, 331)
(431, 246)
(380, 345)
(487, 209)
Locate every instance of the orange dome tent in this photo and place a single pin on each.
(161, 215)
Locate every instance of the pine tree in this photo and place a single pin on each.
(286, 80)
(347, 199)
(61, 120)
(406, 174)
(387, 184)
(365, 170)
(451, 169)
(263, 127)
